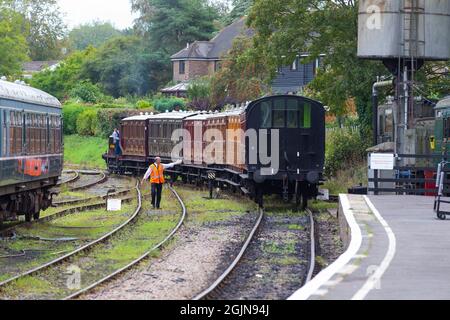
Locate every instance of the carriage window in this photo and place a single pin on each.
(447, 128)
(266, 115)
(279, 113)
(292, 113)
(307, 116)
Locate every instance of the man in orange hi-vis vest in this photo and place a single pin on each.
(156, 175)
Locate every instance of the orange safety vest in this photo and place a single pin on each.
(157, 174)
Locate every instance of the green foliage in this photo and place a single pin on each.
(169, 104)
(122, 67)
(87, 123)
(87, 92)
(170, 24)
(61, 81)
(42, 25)
(98, 119)
(109, 119)
(243, 76)
(288, 27)
(345, 148)
(240, 9)
(71, 112)
(199, 94)
(13, 45)
(144, 104)
(92, 34)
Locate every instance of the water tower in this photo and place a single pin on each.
(404, 34)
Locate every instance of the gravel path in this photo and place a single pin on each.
(198, 257)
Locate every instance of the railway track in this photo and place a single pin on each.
(83, 186)
(77, 205)
(138, 260)
(215, 289)
(84, 248)
(72, 210)
(72, 179)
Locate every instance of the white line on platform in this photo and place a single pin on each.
(313, 287)
(375, 278)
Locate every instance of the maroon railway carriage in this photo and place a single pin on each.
(295, 167)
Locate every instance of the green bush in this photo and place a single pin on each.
(169, 104)
(345, 148)
(87, 92)
(143, 104)
(87, 123)
(70, 116)
(109, 119)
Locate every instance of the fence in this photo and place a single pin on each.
(411, 175)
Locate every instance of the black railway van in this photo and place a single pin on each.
(299, 126)
(31, 150)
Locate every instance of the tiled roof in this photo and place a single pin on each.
(216, 47)
(36, 66)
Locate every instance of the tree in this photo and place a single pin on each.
(43, 25)
(67, 75)
(171, 24)
(199, 94)
(123, 66)
(13, 45)
(286, 28)
(240, 8)
(244, 75)
(166, 26)
(92, 34)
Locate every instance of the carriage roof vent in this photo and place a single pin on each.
(146, 113)
(167, 111)
(152, 114)
(141, 113)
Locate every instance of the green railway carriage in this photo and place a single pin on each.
(31, 150)
(441, 141)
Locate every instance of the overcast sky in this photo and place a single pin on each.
(82, 11)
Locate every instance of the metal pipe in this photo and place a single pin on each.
(375, 87)
(406, 89)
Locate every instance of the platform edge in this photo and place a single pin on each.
(354, 246)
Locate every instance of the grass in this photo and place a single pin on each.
(203, 211)
(321, 206)
(282, 248)
(85, 152)
(23, 284)
(354, 176)
(286, 261)
(297, 227)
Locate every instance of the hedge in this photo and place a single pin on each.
(71, 112)
(87, 123)
(109, 119)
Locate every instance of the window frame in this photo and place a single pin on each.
(182, 67)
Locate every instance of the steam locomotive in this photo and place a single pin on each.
(274, 145)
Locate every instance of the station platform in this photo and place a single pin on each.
(397, 249)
